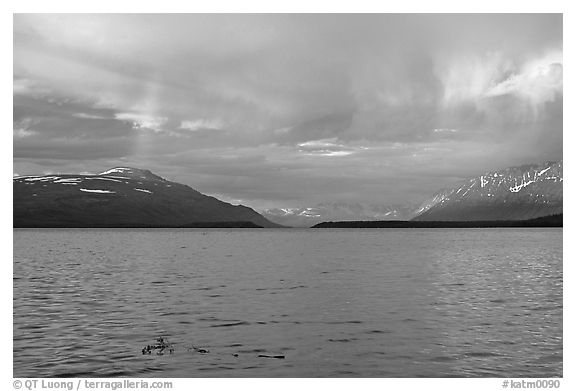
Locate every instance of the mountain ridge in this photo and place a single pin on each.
(513, 193)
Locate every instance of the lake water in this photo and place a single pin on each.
(334, 303)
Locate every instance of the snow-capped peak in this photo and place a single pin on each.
(133, 173)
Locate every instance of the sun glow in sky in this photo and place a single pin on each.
(289, 110)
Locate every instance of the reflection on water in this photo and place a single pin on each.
(347, 303)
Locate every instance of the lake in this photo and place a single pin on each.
(288, 302)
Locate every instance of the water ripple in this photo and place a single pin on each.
(393, 303)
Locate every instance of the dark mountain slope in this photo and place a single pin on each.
(120, 197)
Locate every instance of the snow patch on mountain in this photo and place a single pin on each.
(97, 191)
(117, 170)
(68, 180)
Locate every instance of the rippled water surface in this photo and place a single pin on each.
(346, 303)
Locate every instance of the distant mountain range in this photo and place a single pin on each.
(515, 193)
(339, 211)
(122, 197)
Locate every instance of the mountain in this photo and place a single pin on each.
(515, 193)
(338, 211)
(121, 197)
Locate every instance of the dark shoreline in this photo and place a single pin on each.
(216, 224)
(540, 222)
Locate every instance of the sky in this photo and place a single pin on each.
(288, 110)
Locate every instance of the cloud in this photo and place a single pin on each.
(468, 76)
(325, 147)
(539, 81)
(199, 124)
(475, 79)
(143, 121)
(22, 86)
(89, 116)
(23, 128)
(445, 130)
(21, 132)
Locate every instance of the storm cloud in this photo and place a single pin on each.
(289, 109)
